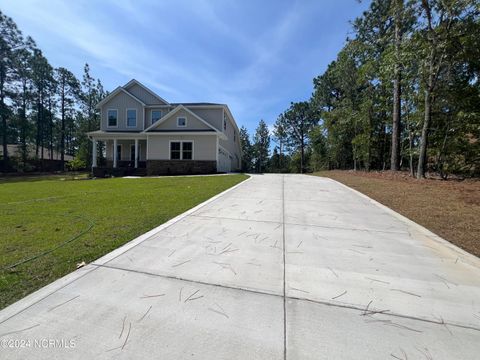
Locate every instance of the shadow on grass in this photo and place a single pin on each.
(4, 178)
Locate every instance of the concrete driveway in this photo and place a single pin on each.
(291, 266)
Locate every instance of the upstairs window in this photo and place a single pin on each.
(234, 136)
(156, 115)
(224, 122)
(181, 122)
(181, 150)
(112, 115)
(131, 117)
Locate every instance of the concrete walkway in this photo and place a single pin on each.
(292, 266)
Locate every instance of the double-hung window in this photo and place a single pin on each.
(112, 115)
(187, 150)
(156, 115)
(181, 150)
(175, 150)
(131, 117)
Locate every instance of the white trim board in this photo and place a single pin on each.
(103, 136)
(190, 133)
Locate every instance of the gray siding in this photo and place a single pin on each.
(204, 146)
(121, 102)
(212, 116)
(143, 95)
(192, 122)
(232, 145)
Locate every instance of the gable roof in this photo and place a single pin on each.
(114, 93)
(135, 82)
(196, 104)
(176, 110)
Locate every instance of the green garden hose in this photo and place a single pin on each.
(91, 224)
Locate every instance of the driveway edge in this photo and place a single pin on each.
(423, 230)
(42, 293)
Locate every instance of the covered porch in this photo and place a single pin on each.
(125, 153)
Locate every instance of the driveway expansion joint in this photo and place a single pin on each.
(360, 308)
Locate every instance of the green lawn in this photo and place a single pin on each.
(37, 216)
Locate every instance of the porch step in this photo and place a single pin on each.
(140, 172)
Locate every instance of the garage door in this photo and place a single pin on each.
(224, 162)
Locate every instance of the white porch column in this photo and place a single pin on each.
(115, 153)
(136, 153)
(94, 153)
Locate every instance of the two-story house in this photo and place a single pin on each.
(143, 131)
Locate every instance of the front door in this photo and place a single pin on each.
(119, 153)
(132, 153)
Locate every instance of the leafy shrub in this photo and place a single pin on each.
(76, 165)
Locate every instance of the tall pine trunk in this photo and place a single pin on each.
(23, 130)
(302, 157)
(396, 124)
(422, 157)
(39, 128)
(397, 92)
(4, 123)
(62, 135)
(4, 138)
(410, 149)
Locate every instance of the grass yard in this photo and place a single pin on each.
(450, 209)
(97, 215)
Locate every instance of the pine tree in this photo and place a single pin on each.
(10, 41)
(261, 146)
(68, 92)
(297, 122)
(247, 150)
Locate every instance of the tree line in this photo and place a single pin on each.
(402, 94)
(42, 109)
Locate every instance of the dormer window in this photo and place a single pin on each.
(181, 121)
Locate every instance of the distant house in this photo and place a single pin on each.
(46, 160)
(15, 150)
(142, 130)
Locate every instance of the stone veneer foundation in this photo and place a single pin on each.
(181, 167)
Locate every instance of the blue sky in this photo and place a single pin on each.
(256, 56)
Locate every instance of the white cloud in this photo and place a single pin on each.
(145, 40)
